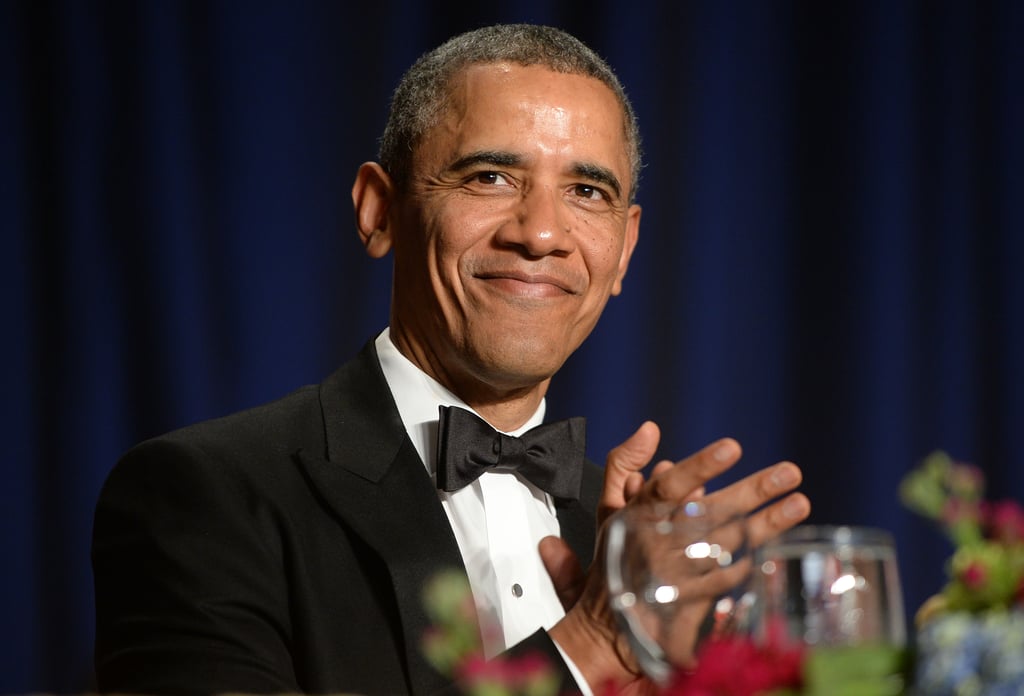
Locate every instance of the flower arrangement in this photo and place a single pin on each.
(970, 636)
(742, 666)
(774, 668)
(986, 570)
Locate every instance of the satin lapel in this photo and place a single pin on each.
(576, 519)
(374, 481)
(577, 528)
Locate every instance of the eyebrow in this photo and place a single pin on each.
(499, 158)
(503, 158)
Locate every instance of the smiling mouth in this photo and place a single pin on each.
(538, 285)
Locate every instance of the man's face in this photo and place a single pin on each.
(515, 230)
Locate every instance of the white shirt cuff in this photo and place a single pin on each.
(574, 671)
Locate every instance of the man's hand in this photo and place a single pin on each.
(622, 480)
(589, 633)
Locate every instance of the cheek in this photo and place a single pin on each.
(447, 248)
(603, 250)
(463, 227)
(451, 240)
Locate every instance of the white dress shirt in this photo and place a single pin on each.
(498, 520)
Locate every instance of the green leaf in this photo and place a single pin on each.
(868, 670)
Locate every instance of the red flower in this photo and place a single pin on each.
(739, 667)
(974, 576)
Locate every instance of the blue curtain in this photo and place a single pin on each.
(829, 267)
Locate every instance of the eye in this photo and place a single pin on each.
(490, 179)
(588, 191)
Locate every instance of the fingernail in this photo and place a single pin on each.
(794, 508)
(725, 451)
(784, 477)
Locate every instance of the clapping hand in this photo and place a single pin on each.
(589, 633)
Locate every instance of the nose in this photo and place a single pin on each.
(541, 224)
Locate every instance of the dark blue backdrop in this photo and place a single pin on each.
(829, 267)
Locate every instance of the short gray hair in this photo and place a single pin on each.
(423, 92)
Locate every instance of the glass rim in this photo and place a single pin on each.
(832, 534)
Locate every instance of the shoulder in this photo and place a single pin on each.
(269, 433)
(275, 427)
(258, 443)
(234, 456)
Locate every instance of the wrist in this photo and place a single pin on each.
(598, 652)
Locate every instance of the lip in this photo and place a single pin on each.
(529, 284)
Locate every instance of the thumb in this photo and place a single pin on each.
(622, 476)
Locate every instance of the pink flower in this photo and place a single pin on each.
(739, 667)
(512, 673)
(1004, 521)
(957, 510)
(966, 480)
(531, 665)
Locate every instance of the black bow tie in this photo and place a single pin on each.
(549, 456)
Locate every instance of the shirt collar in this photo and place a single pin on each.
(419, 396)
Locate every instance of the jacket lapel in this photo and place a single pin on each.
(576, 518)
(374, 481)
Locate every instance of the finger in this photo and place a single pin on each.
(661, 467)
(682, 648)
(685, 556)
(685, 477)
(753, 491)
(622, 467)
(563, 568)
(777, 518)
(696, 597)
(635, 481)
(634, 484)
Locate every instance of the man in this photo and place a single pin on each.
(285, 548)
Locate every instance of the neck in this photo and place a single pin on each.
(506, 402)
(508, 413)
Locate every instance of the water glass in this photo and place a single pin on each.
(830, 586)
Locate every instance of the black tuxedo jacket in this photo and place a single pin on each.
(282, 549)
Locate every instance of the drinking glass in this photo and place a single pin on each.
(672, 573)
(829, 586)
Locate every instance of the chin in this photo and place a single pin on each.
(522, 362)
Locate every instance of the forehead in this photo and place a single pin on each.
(531, 109)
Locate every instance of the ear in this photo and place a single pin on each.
(371, 196)
(628, 244)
